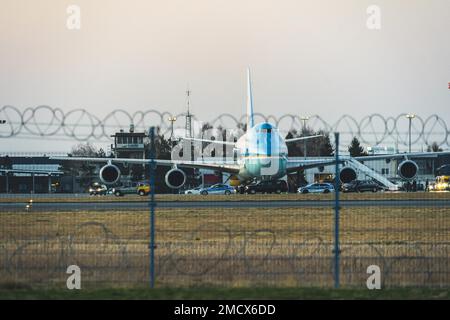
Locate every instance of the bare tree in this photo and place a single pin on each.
(84, 150)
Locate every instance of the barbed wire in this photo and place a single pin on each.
(83, 125)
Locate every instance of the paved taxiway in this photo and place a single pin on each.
(140, 205)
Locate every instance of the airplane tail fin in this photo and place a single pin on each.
(250, 120)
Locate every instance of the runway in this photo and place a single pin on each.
(140, 205)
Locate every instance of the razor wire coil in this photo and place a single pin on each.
(82, 125)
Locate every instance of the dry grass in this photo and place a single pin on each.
(229, 247)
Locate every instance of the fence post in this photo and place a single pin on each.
(336, 212)
(152, 207)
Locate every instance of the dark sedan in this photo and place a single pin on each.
(267, 186)
(361, 186)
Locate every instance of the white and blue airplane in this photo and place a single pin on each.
(262, 154)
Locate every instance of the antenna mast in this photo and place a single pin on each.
(188, 126)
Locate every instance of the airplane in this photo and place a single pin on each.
(262, 154)
(32, 171)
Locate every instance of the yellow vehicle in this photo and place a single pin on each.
(143, 189)
(442, 184)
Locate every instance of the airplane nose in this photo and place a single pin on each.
(269, 145)
(270, 166)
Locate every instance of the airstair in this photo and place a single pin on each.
(359, 167)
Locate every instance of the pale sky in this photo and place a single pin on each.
(307, 57)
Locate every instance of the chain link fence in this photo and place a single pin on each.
(280, 240)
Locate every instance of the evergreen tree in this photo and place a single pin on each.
(325, 147)
(294, 148)
(355, 148)
(316, 147)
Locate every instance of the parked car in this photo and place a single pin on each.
(277, 186)
(97, 189)
(141, 189)
(317, 188)
(218, 189)
(193, 191)
(361, 186)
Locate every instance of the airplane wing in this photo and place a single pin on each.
(303, 138)
(222, 167)
(31, 171)
(402, 155)
(297, 165)
(211, 141)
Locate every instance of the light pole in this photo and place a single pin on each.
(172, 120)
(410, 116)
(6, 172)
(304, 119)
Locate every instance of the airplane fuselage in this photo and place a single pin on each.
(262, 153)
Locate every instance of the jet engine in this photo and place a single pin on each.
(347, 175)
(407, 169)
(175, 178)
(109, 174)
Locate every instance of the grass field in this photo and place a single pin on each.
(237, 197)
(226, 294)
(256, 247)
